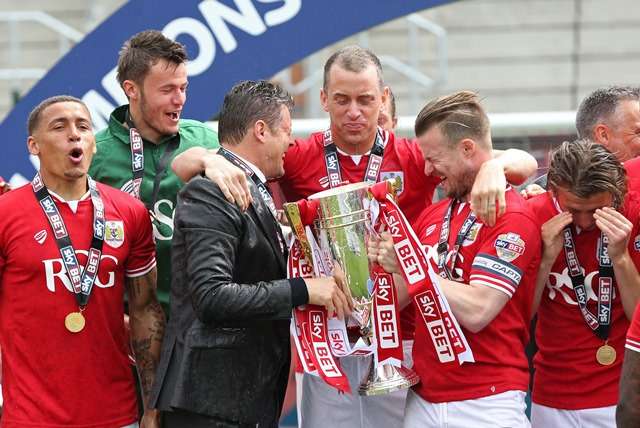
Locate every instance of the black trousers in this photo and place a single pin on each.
(182, 419)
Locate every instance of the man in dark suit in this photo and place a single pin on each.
(225, 361)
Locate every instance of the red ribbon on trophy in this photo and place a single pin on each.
(422, 282)
(309, 327)
(385, 319)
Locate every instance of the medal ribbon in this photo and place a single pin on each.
(443, 241)
(82, 280)
(137, 163)
(443, 328)
(333, 164)
(599, 325)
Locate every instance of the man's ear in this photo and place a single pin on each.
(33, 146)
(601, 134)
(131, 89)
(467, 147)
(324, 100)
(259, 130)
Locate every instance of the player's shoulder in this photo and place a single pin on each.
(121, 200)
(16, 198)
(431, 214)
(196, 133)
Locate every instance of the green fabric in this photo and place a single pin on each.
(112, 165)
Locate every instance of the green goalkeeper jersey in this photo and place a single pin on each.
(112, 165)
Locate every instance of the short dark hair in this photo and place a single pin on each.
(36, 113)
(459, 115)
(248, 102)
(143, 51)
(355, 59)
(600, 106)
(585, 168)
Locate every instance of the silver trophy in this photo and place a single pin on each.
(342, 229)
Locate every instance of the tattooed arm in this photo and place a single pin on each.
(628, 411)
(147, 330)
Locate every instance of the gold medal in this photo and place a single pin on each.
(606, 355)
(74, 322)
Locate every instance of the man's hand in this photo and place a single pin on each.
(552, 239)
(487, 194)
(380, 250)
(327, 292)
(150, 419)
(532, 190)
(617, 228)
(231, 180)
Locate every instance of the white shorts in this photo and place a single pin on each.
(503, 410)
(549, 417)
(323, 406)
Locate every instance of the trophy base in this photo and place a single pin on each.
(386, 379)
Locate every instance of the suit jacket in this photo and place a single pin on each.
(226, 351)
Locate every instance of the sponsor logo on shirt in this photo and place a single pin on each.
(559, 285)
(509, 246)
(430, 230)
(391, 175)
(56, 273)
(114, 233)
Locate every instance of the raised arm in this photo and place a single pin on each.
(147, 323)
(212, 231)
(488, 192)
(231, 179)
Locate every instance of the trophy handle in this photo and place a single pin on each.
(292, 211)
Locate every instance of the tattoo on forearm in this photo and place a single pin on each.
(147, 329)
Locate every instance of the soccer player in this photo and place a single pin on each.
(488, 278)
(143, 136)
(587, 286)
(69, 248)
(353, 94)
(611, 117)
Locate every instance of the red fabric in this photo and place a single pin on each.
(500, 361)
(306, 174)
(567, 373)
(52, 377)
(633, 334)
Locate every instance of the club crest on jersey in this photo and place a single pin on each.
(114, 233)
(636, 243)
(509, 246)
(472, 235)
(391, 175)
(430, 230)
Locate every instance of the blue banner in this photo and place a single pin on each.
(227, 41)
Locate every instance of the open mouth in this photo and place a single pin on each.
(174, 115)
(76, 155)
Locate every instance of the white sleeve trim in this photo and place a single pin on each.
(505, 290)
(133, 273)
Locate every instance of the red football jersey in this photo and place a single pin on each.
(306, 174)
(504, 257)
(633, 334)
(567, 374)
(52, 377)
